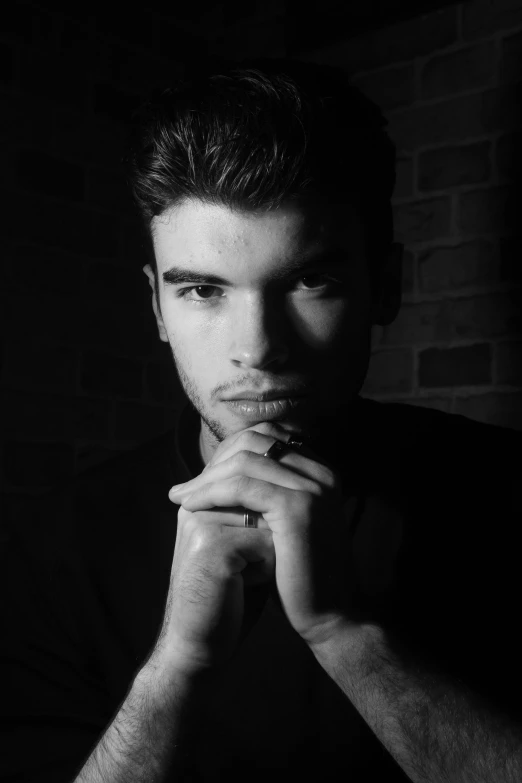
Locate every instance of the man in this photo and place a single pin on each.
(297, 581)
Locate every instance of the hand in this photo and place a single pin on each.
(299, 502)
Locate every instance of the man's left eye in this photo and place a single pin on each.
(321, 279)
(318, 281)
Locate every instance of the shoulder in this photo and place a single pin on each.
(443, 456)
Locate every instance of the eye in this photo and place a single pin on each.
(317, 278)
(321, 283)
(201, 290)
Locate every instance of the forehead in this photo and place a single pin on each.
(195, 228)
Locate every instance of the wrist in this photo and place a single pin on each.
(169, 670)
(349, 646)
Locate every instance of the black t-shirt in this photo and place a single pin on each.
(84, 583)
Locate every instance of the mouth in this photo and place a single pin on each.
(265, 410)
(274, 394)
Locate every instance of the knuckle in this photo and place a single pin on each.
(314, 489)
(241, 483)
(267, 428)
(331, 479)
(250, 438)
(241, 458)
(204, 537)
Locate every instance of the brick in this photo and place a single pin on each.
(162, 383)
(464, 366)
(136, 422)
(511, 62)
(403, 41)
(389, 372)
(15, 127)
(14, 24)
(104, 239)
(510, 249)
(265, 38)
(74, 35)
(111, 375)
(408, 272)
(404, 179)
(43, 173)
(237, 9)
(89, 454)
(456, 119)
(34, 366)
(47, 416)
(508, 362)
(115, 104)
(26, 24)
(458, 71)
(492, 210)
(469, 264)
(143, 75)
(61, 77)
(502, 108)
(6, 64)
(422, 220)
(37, 464)
(500, 409)
(508, 156)
(124, 329)
(468, 318)
(389, 88)
(68, 226)
(483, 17)
(135, 28)
(110, 281)
(97, 140)
(15, 509)
(132, 243)
(447, 167)
(190, 40)
(107, 188)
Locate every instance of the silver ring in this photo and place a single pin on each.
(249, 518)
(276, 450)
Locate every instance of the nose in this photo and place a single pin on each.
(259, 336)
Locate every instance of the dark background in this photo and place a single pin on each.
(83, 372)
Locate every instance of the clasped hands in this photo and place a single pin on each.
(299, 499)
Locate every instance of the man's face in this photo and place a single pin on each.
(293, 310)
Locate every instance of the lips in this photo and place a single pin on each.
(268, 410)
(277, 394)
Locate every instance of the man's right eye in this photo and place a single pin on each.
(184, 293)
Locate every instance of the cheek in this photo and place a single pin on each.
(194, 340)
(345, 321)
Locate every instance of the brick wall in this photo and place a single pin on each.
(83, 373)
(450, 85)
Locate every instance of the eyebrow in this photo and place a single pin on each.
(176, 275)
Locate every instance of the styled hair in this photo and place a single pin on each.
(255, 134)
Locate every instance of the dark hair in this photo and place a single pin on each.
(255, 134)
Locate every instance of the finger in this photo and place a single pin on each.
(255, 466)
(230, 516)
(301, 460)
(251, 440)
(270, 429)
(274, 502)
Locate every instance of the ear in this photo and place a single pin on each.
(155, 304)
(388, 299)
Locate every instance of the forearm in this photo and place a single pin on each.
(148, 735)
(434, 728)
